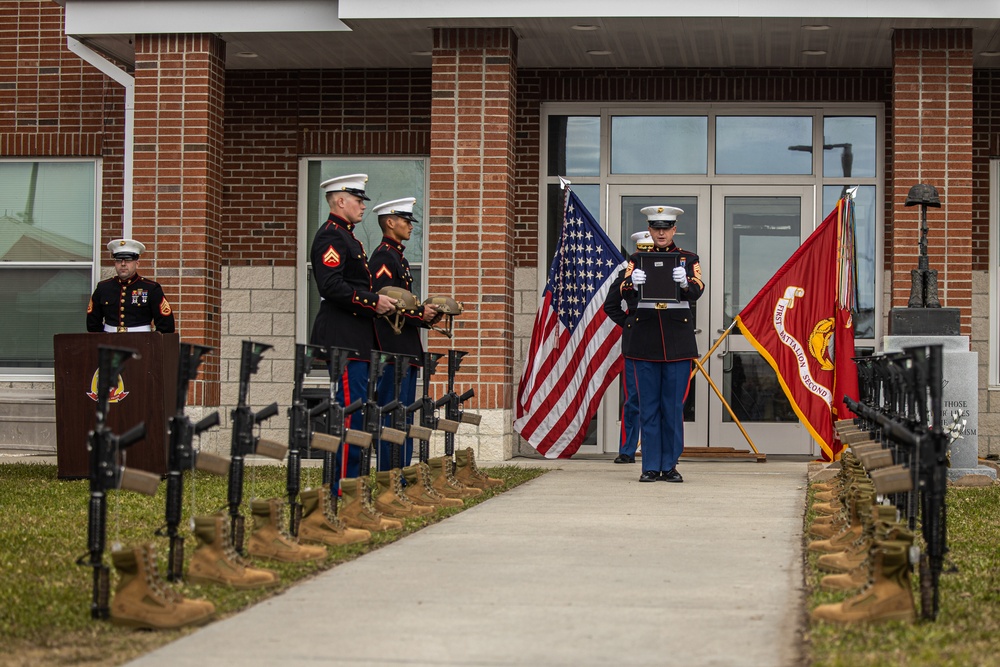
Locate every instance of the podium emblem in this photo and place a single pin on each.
(115, 394)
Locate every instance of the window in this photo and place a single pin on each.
(763, 145)
(388, 179)
(659, 144)
(48, 211)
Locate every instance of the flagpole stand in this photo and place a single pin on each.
(721, 452)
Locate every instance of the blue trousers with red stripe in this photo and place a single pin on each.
(353, 385)
(662, 387)
(386, 392)
(630, 412)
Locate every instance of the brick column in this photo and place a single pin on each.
(932, 143)
(177, 200)
(471, 216)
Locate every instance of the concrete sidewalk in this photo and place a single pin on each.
(582, 566)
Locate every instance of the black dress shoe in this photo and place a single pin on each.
(649, 476)
(671, 476)
(625, 458)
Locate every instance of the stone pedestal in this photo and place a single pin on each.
(960, 394)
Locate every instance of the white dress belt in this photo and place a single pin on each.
(110, 329)
(663, 305)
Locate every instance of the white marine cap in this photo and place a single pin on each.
(663, 217)
(642, 238)
(126, 249)
(352, 183)
(401, 207)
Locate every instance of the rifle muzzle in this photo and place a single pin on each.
(271, 449)
(139, 481)
(212, 463)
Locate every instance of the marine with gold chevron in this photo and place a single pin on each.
(348, 304)
(399, 333)
(128, 302)
(659, 338)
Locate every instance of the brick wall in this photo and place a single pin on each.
(179, 83)
(932, 142)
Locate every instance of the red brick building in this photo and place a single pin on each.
(204, 128)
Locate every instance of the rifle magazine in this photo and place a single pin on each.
(358, 438)
(271, 449)
(325, 442)
(139, 481)
(212, 463)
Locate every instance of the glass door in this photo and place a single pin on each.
(754, 230)
(625, 203)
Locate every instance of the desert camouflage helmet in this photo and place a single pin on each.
(406, 305)
(446, 306)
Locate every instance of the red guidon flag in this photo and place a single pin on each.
(801, 323)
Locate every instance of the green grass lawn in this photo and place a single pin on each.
(45, 597)
(967, 628)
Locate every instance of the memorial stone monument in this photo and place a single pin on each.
(925, 321)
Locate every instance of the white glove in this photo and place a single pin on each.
(680, 277)
(638, 277)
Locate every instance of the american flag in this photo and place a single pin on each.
(575, 350)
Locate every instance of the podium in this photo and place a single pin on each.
(146, 392)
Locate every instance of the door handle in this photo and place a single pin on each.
(697, 331)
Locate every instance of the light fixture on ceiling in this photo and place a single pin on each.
(421, 53)
(816, 27)
(584, 27)
(990, 54)
(246, 54)
(814, 52)
(599, 52)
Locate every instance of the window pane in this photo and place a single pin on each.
(763, 145)
(574, 145)
(752, 390)
(864, 233)
(761, 233)
(37, 304)
(47, 211)
(659, 145)
(848, 147)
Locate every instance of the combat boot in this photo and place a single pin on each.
(144, 600)
(392, 499)
(420, 487)
(848, 581)
(358, 511)
(216, 562)
(468, 473)
(269, 539)
(887, 597)
(445, 483)
(320, 525)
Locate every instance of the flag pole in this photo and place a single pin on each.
(698, 366)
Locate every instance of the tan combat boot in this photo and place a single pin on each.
(468, 473)
(216, 562)
(420, 487)
(269, 539)
(445, 483)
(392, 499)
(887, 597)
(320, 525)
(143, 600)
(358, 511)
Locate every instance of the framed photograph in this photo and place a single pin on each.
(659, 269)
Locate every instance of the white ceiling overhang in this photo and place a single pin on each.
(338, 34)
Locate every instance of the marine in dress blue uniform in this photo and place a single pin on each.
(348, 304)
(390, 268)
(128, 302)
(629, 439)
(660, 341)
